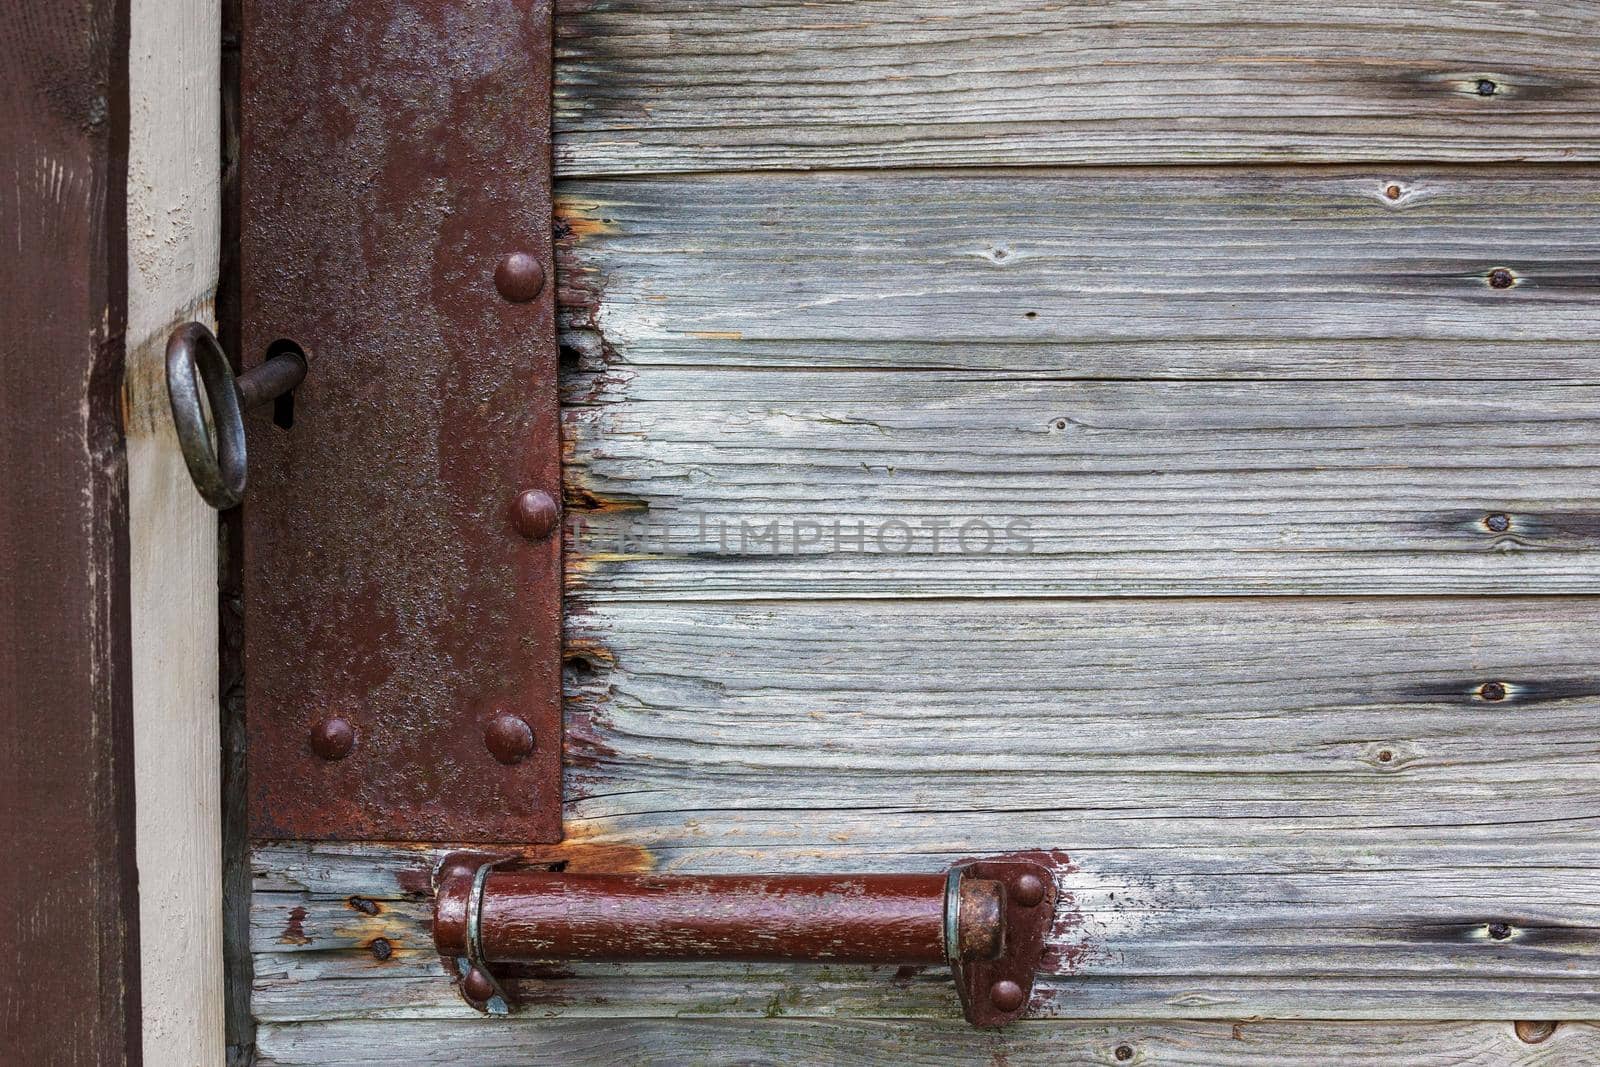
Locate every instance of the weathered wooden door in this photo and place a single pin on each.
(1159, 437)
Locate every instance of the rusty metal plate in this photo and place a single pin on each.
(403, 616)
(996, 992)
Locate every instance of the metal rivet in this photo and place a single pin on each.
(1499, 522)
(333, 738)
(519, 277)
(1533, 1031)
(381, 949)
(509, 738)
(1006, 995)
(1492, 691)
(1500, 278)
(1029, 890)
(477, 986)
(535, 514)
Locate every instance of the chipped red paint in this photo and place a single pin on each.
(1065, 948)
(591, 368)
(294, 932)
(579, 286)
(583, 732)
(393, 154)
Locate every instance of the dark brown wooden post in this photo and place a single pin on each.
(70, 993)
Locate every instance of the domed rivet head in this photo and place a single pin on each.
(333, 738)
(508, 738)
(1006, 995)
(519, 277)
(535, 514)
(1029, 890)
(1534, 1031)
(477, 986)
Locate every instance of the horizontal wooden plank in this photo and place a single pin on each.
(1089, 274)
(645, 86)
(1319, 956)
(887, 696)
(1318, 359)
(1118, 488)
(1279, 807)
(1132, 729)
(1264, 925)
(670, 1043)
(751, 485)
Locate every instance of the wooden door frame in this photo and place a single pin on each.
(70, 893)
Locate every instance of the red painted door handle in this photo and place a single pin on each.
(987, 919)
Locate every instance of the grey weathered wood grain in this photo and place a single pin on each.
(882, 694)
(966, 310)
(645, 86)
(852, 1043)
(1119, 274)
(730, 484)
(1276, 807)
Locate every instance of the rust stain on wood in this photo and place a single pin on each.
(578, 498)
(363, 930)
(585, 654)
(578, 285)
(586, 851)
(579, 218)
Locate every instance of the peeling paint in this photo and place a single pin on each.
(294, 932)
